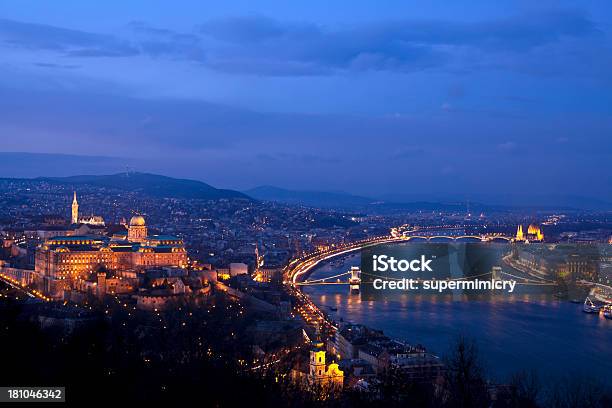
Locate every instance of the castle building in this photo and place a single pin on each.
(64, 260)
(137, 230)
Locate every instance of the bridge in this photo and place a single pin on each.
(298, 268)
(495, 274)
(459, 238)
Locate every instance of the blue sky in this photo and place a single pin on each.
(427, 98)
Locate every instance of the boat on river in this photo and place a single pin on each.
(607, 311)
(589, 306)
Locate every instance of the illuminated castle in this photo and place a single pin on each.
(534, 233)
(63, 261)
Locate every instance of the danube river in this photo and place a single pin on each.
(527, 332)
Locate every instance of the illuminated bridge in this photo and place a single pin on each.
(520, 280)
(299, 268)
(296, 272)
(459, 238)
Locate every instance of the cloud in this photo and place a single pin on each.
(52, 65)
(247, 43)
(66, 41)
(147, 40)
(253, 29)
(158, 42)
(264, 46)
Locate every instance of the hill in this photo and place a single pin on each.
(309, 198)
(151, 184)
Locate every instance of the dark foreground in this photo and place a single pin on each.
(202, 353)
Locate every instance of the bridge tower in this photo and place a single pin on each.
(496, 273)
(355, 279)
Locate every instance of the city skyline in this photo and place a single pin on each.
(424, 98)
(332, 204)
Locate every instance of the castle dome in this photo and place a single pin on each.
(137, 220)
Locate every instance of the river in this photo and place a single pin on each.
(540, 333)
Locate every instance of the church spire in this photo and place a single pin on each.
(75, 210)
(519, 233)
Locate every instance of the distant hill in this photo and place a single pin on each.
(151, 184)
(309, 198)
(386, 205)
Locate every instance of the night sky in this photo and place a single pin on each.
(425, 99)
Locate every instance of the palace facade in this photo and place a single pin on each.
(63, 261)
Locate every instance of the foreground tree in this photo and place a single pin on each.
(464, 384)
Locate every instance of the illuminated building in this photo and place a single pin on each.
(137, 230)
(65, 260)
(92, 220)
(320, 373)
(519, 233)
(89, 220)
(75, 210)
(534, 233)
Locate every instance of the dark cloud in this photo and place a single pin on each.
(73, 42)
(518, 32)
(254, 29)
(264, 46)
(148, 40)
(254, 43)
(145, 28)
(158, 42)
(52, 65)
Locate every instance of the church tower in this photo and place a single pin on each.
(317, 362)
(75, 210)
(519, 233)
